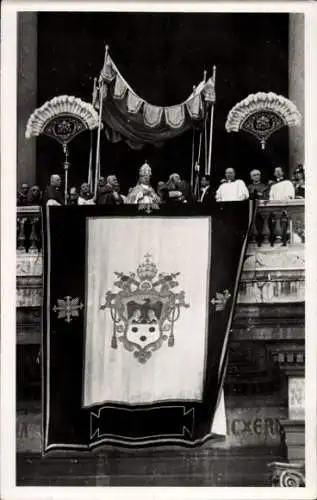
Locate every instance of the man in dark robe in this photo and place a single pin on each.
(299, 182)
(177, 190)
(207, 195)
(22, 195)
(257, 189)
(52, 194)
(34, 196)
(73, 196)
(110, 193)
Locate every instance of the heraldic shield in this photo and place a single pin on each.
(145, 309)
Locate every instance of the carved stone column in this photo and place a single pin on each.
(27, 95)
(294, 426)
(296, 87)
(291, 360)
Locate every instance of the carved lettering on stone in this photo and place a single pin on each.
(29, 264)
(28, 297)
(296, 398)
(267, 292)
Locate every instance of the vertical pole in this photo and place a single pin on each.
(211, 123)
(66, 167)
(193, 155)
(206, 147)
(101, 87)
(193, 162)
(205, 134)
(90, 172)
(197, 168)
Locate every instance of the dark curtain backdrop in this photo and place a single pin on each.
(162, 56)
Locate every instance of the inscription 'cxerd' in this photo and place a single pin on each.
(254, 426)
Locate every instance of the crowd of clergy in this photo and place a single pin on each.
(174, 190)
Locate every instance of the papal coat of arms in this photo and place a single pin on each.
(145, 309)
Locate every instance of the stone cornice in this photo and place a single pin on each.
(289, 357)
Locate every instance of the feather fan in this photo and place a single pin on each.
(62, 118)
(262, 114)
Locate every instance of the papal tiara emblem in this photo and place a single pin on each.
(144, 309)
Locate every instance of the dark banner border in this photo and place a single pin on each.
(240, 214)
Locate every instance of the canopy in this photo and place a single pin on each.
(131, 118)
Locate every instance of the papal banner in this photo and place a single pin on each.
(137, 317)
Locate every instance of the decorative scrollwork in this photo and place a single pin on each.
(262, 124)
(291, 478)
(64, 128)
(148, 208)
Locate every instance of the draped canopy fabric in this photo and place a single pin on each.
(130, 118)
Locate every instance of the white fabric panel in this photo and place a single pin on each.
(219, 424)
(175, 116)
(152, 115)
(172, 373)
(134, 102)
(120, 88)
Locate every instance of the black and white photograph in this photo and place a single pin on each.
(160, 178)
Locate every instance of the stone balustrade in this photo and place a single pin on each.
(29, 229)
(273, 271)
(279, 223)
(276, 224)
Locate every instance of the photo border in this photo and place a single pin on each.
(8, 250)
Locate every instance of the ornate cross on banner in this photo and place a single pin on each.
(68, 308)
(221, 300)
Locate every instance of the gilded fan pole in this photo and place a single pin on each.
(66, 167)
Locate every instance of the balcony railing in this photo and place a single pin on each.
(279, 223)
(275, 224)
(29, 237)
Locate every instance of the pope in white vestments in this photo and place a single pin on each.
(233, 189)
(143, 193)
